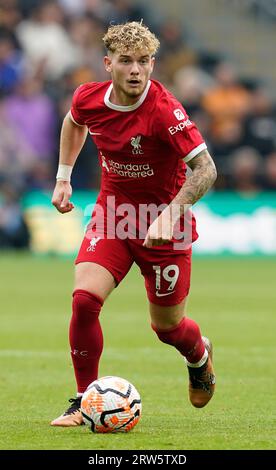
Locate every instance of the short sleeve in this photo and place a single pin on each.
(76, 108)
(176, 129)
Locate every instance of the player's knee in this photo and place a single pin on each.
(170, 335)
(86, 304)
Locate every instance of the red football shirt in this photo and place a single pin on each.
(142, 147)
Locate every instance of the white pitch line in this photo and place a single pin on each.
(24, 353)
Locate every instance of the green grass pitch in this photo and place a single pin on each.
(234, 302)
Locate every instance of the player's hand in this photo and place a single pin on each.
(160, 231)
(61, 197)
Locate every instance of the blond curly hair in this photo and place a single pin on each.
(131, 36)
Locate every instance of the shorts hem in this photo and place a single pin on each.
(165, 302)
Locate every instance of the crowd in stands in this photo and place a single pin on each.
(49, 47)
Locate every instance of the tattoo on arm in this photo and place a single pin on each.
(203, 176)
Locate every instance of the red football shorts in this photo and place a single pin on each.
(166, 271)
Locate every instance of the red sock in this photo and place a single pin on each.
(185, 337)
(86, 338)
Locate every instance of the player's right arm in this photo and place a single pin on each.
(72, 139)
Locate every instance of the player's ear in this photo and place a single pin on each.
(108, 64)
(152, 63)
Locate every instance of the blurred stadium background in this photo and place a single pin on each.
(218, 58)
(215, 56)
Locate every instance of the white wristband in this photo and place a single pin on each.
(64, 173)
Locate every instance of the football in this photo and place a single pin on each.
(111, 404)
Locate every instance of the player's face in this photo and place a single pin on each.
(130, 73)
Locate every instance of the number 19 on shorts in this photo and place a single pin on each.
(170, 274)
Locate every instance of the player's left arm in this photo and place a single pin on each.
(203, 176)
(202, 179)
